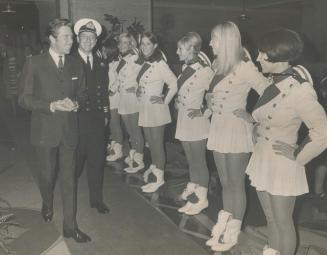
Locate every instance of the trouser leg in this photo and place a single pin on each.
(46, 157)
(67, 158)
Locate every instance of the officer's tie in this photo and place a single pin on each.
(88, 63)
(60, 64)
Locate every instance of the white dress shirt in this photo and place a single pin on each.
(84, 57)
(55, 56)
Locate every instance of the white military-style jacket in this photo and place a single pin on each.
(127, 70)
(195, 80)
(230, 92)
(284, 105)
(113, 76)
(152, 78)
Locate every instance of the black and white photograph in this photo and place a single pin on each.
(163, 127)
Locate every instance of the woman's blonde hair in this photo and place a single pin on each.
(230, 49)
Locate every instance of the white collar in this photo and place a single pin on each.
(55, 56)
(84, 57)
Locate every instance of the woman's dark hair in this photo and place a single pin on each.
(151, 36)
(156, 55)
(111, 46)
(281, 45)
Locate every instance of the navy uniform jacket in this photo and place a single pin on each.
(42, 83)
(96, 107)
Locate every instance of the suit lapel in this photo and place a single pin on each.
(144, 68)
(51, 63)
(270, 93)
(216, 79)
(53, 66)
(121, 64)
(187, 73)
(96, 63)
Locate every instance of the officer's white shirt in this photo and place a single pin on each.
(84, 57)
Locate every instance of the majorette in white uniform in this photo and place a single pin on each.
(193, 83)
(128, 70)
(279, 112)
(113, 84)
(151, 80)
(229, 133)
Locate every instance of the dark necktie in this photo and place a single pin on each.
(60, 64)
(88, 63)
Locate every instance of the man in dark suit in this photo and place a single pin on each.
(52, 86)
(94, 115)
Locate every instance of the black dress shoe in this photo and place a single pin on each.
(77, 235)
(47, 213)
(101, 207)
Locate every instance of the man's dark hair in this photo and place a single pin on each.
(55, 25)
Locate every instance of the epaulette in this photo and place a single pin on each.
(298, 77)
(204, 59)
(301, 74)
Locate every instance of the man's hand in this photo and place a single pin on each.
(65, 105)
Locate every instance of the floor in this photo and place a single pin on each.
(140, 224)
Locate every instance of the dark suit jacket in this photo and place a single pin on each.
(91, 115)
(42, 83)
